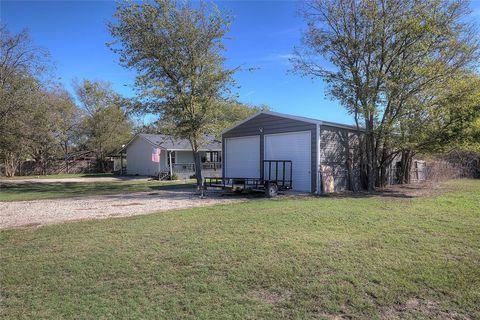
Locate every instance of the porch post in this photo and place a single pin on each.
(159, 164)
(121, 163)
(171, 164)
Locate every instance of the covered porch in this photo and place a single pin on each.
(183, 165)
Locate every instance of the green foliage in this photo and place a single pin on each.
(15, 125)
(21, 66)
(51, 124)
(295, 258)
(20, 62)
(230, 112)
(176, 48)
(105, 126)
(39, 128)
(441, 119)
(387, 55)
(472, 133)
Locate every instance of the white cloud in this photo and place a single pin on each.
(283, 58)
(248, 94)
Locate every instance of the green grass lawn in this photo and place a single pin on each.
(362, 258)
(41, 190)
(62, 176)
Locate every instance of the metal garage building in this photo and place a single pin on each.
(315, 147)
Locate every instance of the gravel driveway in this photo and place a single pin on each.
(39, 212)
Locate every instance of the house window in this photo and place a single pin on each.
(212, 156)
(171, 155)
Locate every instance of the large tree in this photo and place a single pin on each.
(176, 48)
(105, 124)
(21, 66)
(52, 126)
(15, 125)
(20, 58)
(69, 124)
(384, 54)
(231, 112)
(437, 120)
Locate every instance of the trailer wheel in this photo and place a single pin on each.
(271, 190)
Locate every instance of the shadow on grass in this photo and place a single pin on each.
(97, 175)
(365, 194)
(406, 191)
(41, 190)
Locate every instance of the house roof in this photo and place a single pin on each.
(169, 143)
(298, 118)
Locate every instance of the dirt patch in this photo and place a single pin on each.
(415, 308)
(425, 189)
(271, 297)
(331, 317)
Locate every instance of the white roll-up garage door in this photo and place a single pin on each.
(295, 146)
(242, 157)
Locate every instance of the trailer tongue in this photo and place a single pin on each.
(277, 176)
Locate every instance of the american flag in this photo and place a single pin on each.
(156, 155)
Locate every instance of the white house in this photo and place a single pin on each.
(139, 156)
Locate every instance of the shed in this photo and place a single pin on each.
(319, 150)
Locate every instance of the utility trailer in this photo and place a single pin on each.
(277, 176)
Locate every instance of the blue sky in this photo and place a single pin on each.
(263, 35)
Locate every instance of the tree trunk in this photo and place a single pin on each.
(198, 162)
(382, 181)
(100, 163)
(66, 155)
(351, 182)
(44, 165)
(384, 163)
(198, 168)
(362, 161)
(371, 161)
(405, 166)
(11, 164)
(362, 147)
